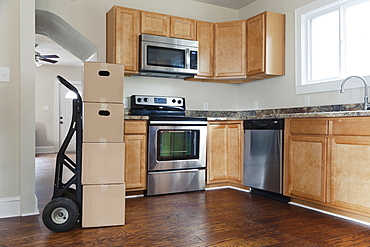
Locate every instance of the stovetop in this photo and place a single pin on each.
(163, 108)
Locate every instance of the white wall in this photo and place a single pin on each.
(280, 92)
(17, 122)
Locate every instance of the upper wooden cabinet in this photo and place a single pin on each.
(155, 24)
(266, 45)
(232, 52)
(230, 49)
(123, 37)
(205, 37)
(183, 28)
(168, 26)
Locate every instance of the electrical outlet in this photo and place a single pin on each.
(205, 105)
(307, 100)
(255, 105)
(4, 74)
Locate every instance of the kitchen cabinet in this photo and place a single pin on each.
(229, 52)
(326, 162)
(135, 154)
(230, 49)
(168, 26)
(155, 24)
(266, 45)
(224, 152)
(122, 38)
(183, 28)
(205, 38)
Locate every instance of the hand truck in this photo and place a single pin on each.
(64, 210)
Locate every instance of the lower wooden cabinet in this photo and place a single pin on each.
(350, 173)
(135, 154)
(326, 162)
(224, 152)
(306, 167)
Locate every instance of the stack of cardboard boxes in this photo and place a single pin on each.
(103, 187)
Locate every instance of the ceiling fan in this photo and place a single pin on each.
(45, 58)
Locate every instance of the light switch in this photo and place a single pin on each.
(45, 107)
(4, 74)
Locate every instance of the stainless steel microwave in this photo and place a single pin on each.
(168, 57)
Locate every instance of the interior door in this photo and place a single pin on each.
(65, 115)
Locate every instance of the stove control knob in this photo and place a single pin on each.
(139, 100)
(146, 99)
(179, 102)
(173, 101)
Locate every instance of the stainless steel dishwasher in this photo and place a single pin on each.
(263, 154)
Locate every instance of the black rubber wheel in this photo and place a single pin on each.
(60, 214)
(70, 193)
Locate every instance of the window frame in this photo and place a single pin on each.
(303, 15)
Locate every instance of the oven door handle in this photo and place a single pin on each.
(175, 171)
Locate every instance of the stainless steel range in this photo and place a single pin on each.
(176, 145)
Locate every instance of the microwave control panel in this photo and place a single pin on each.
(193, 60)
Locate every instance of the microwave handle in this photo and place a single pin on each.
(187, 58)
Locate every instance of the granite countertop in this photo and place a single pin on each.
(351, 110)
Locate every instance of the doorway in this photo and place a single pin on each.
(63, 114)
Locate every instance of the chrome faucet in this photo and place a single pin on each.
(366, 98)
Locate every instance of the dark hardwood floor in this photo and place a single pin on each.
(223, 217)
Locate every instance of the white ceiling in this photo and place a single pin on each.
(46, 46)
(232, 4)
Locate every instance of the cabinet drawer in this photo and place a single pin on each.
(312, 127)
(352, 126)
(135, 127)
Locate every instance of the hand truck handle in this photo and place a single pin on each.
(69, 86)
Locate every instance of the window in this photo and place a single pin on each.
(332, 43)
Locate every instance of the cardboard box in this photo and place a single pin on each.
(103, 205)
(103, 82)
(103, 122)
(103, 163)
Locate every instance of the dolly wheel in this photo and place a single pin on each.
(60, 214)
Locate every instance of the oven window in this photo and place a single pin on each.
(165, 57)
(177, 145)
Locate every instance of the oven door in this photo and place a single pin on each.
(176, 146)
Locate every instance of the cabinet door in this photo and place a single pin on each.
(350, 173)
(123, 37)
(205, 37)
(230, 49)
(234, 151)
(266, 44)
(135, 162)
(183, 28)
(217, 153)
(155, 24)
(306, 167)
(256, 49)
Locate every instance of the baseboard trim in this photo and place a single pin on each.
(330, 213)
(10, 207)
(228, 187)
(45, 149)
